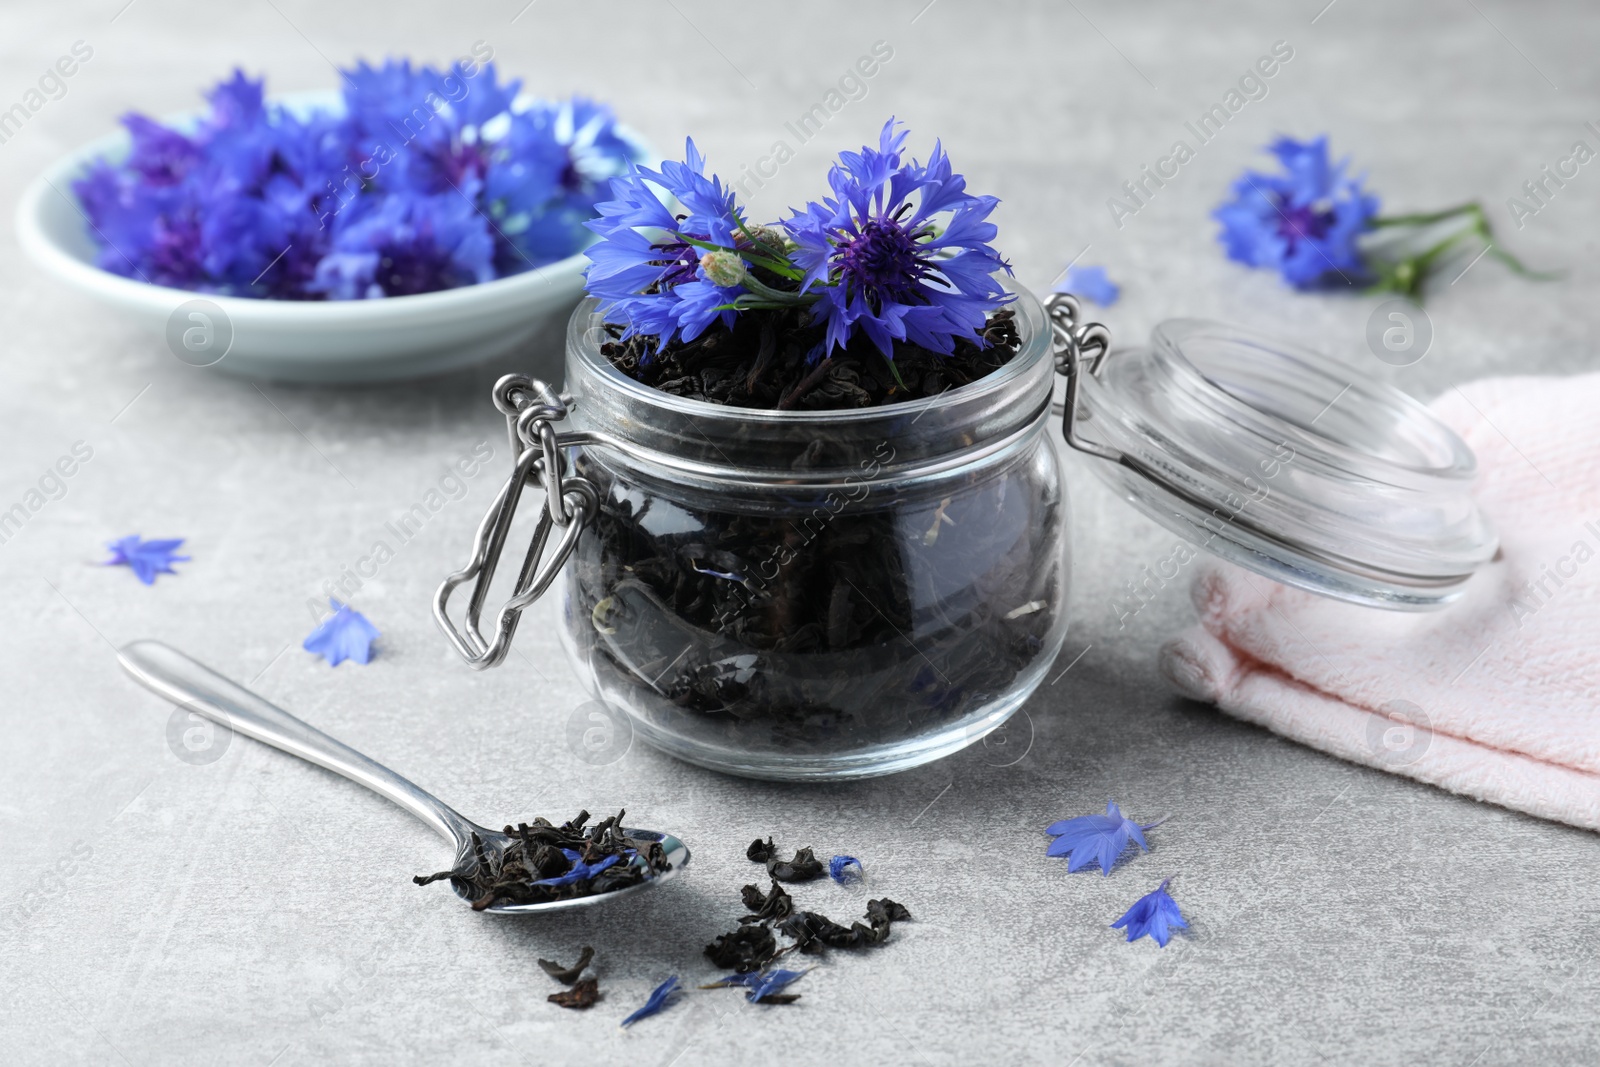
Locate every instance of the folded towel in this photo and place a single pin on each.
(1495, 697)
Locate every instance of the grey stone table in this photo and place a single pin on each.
(253, 910)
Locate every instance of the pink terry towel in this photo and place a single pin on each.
(1497, 696)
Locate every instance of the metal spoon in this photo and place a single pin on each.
(183, 681)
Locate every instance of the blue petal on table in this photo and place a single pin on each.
(760, 984)
(1090, 283)
(838, 868)
(1154, 915)
(771, 982)
(657, 1002)
(346, 634)
(1096, 838)
(146, 558)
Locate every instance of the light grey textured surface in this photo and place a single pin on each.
(255, 910)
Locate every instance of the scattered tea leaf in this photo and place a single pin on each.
(885, 911)
(812, 931)
(803, 868)
(760, 851)
(568, 975)
(773, 905)
(749, 948)
(582, 995)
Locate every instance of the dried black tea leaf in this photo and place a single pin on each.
(749, 948)
(582, 995)
(766, 906)
(545, 862)
(886, 911)
(803, 868)
(568, 975)
(760, 851)
(812, 931)
(763, 362)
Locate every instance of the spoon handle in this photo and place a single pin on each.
(193, 685)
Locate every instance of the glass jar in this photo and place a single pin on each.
(817, 594)
(831, 594)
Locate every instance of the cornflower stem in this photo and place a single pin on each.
(1407, 274)
(1426, 218)
(778, 297)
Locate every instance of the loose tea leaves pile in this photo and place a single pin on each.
(772, 359)
(545, 862)
(815, 630)
(813, 931)
(753, 945)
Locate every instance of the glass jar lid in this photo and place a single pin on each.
(1281, 460)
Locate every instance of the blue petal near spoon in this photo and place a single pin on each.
(164, 670)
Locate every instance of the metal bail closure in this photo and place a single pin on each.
(530, 406)
(1076, 343)
(1277, 458)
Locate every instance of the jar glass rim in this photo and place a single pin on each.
(1175, 341)
(812, 445)
(1030, 323)
(1290, 463)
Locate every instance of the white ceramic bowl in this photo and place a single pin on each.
(290, 340)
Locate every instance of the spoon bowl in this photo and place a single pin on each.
(495, 843)
(192, 685)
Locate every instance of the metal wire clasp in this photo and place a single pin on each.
(530, 407)
(1076, 344)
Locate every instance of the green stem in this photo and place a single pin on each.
(1407, 274)
(1427, 217)
(778, 296)
(901, 382)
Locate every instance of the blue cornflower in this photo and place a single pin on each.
(1091, 283)
(346, 634)
(647, 268)
(429, 179)
(1304, 222)
(408, 244)
(421, 129)
(1096, 838)
(658, 1001)
(839, 866)
(880, 261)
(1155, 914)
(146, 558)
(223, 209)
(553, 165)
